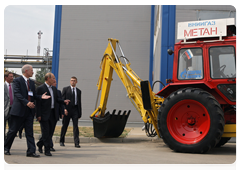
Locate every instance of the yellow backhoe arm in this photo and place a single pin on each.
(130, 80)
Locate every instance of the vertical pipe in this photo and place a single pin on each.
(171, 37)
(164, 44)
(56, 40)
(151, 44)
(167, 41)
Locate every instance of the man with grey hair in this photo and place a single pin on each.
(22, 112)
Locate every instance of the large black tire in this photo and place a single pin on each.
(222, 142)
(191, 120)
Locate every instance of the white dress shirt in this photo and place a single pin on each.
(51, 93)
(26, 79)
(75, 90)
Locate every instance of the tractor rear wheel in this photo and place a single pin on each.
(222, 142)
(191, 120)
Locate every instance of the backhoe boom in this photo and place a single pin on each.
(130, 80)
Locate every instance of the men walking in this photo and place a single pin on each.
(73, 110)
(22, 112)
(47, 113)
(8, 99)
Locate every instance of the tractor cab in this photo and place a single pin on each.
(222, 63)
(201, 96)
(205, 58)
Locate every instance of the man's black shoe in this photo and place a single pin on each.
(7, 153)
(62, 144)
(33, 155)
(52, 149)
(40, 148)
(20, 135)
(77, 146)
(48, 154)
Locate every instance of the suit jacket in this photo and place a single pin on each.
(43, 107)
(59, 106)
(7, 98)
(67, 94)
(21, 96)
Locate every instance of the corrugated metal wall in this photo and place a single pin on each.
(157, 50)
(84, 37)
(203, 12)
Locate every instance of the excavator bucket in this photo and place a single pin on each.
(111, 125)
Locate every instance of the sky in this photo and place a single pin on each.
(21, 25)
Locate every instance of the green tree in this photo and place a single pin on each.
(41, 74)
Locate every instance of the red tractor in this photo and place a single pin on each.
(196, 111)
(199, 110)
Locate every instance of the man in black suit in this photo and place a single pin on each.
(60, 110)
(47, 112)
(22, 112)
(73, 110)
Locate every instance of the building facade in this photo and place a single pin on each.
(145, 32)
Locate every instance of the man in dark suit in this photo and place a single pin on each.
(47, 113)
(73, 110)
(60, 110)
(22, 112)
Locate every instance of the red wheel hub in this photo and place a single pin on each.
(188, 121)
(191, 121)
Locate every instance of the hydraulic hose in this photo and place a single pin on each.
(150, 131)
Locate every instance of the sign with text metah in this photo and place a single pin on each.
(204, 28)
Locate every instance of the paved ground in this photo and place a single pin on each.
(134, 149)
(136, 133)
(122, 156)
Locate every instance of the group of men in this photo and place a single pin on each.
(20, 99)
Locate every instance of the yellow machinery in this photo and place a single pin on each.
(132, 83)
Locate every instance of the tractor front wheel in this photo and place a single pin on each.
(191, 120)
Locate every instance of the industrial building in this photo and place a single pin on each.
(145, 32)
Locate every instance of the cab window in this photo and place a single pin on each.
(190, 64)
(222, 62)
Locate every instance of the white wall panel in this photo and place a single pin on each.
(84, 37)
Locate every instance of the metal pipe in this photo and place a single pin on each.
(114, 52)
(122, 53)
(27, 58)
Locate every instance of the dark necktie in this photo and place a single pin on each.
(28, 85)
(10, 95)
(73, 100)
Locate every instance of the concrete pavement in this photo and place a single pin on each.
(135, 135)
(117, 153)
(136, 148)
